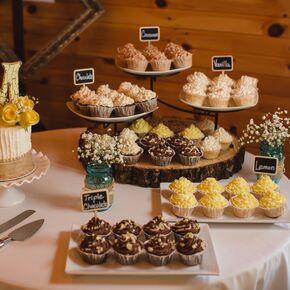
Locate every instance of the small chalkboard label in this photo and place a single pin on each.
(94, 200)
(265, 164)
(222, 63)
(84, 76)
(149, 33)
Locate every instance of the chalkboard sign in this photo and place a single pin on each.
(222, 63)
(94, 200)
(149, 33)
(84, 76)
(265, 164)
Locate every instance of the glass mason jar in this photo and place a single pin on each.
(100, 176)
(274, 151)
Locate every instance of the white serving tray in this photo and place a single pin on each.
(75, 265)
(71, 107)
(227, 217)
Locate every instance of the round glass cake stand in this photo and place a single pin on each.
(10, 193)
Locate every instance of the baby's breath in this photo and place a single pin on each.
(274, 129)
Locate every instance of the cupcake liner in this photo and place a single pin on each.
(218, 102)
(159, 260)
(274, 212)
(243, 212)
(213, 212)
(161, 65)
(136, 64)
(100, 111)
(84, 109)
(189, 160)
(244, 101)
(194, 99)
(148, 105)
(182, 211)
(132, 159)
(192, 260)
(182, 61)
(161, 161)
(211, 154)
(126, 259)
(93, 258)
(124, 111)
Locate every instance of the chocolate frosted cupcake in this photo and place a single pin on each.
(127, 249)
(177, 141)
(159, 250)
(126, 226)
(94, 249)
(96, 227)
(161, 154)
(184, 226)
(150, 140)
(190, 155)
(191, 249)
(157, 226)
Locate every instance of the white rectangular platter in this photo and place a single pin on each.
(75, 265)
(227, 217)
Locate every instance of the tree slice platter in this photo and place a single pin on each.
(146, 174)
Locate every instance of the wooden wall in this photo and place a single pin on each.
(209, 27)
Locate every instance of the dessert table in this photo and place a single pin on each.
(250, 256)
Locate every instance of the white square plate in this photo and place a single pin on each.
(227, 217)
(75, 265)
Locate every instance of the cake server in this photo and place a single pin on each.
(16, 220)
(22, 233)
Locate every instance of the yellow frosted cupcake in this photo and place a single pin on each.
(236, 186)
(244, 204)
(213, 205)
(210, 185)
(192, 133)
(141, 127)
(182, 186)
(162, 131)
(273, 203)
(262, 185)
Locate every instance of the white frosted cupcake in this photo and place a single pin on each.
(102, 106)
(146, 100)
(125, 88)
(179, 56)
(124, 105)
(103, 90)
(159, 62)
(193, 94)
(199, 78)
(125, 52)
(130, 151)
(138, 62)
(223, 137)
(211, 147)
(127, 133)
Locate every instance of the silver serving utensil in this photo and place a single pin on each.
(16, 220)
(23, 232)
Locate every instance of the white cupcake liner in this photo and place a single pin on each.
(160, 65)
(182, 61)
(213, 212)
(274, 212)
(194, 259)
(244, 101)
(148, 105)
(218, 102)
(189, 160)
(124, 111)
(243, 212)
(126, 259)
(132, 159)
(213, 154)
(161, 161)
(159, 260)
(93, 259)
(138, 65)
(194, 99)
(182, 211)
(100, 111)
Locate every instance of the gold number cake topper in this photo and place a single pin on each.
(10, 82)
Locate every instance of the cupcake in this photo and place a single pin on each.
(213, 204)
(190, 155)
(124, 105)
(182, 186)
(137, 62)
(190, 249)
(159, 62)
(125, 88)
(159, 250)
(177, 142)
(199, 78)
(140, 127)
(185, 226)
(236, 186)
(126, 226)
(131, 151)
(146, 100)
(150, 140)
(223, 137)
(94, 249)
(244, 204)
(162, 131)
(245, 91)
(124, 53)
(192, 133)
(96, 227)
(273, 203)
(102, 106)
(211, 147)
(193, 94)
(127, 133)
(86, 100)
(82, 93)
(103, 90)
(210, 185)
(206, 126)
(161, 154)
(133, 92)
(150, 51)
(262, 185)
(157, 226)
(180, 57)
(127, 249)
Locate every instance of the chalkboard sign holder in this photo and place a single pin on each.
(222, 63)
(84, 76)
(265, 165)
(149, 33)
(95, 200)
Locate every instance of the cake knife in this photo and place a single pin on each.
(22, 233)
(16, 220)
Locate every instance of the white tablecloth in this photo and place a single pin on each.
(250, 256)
